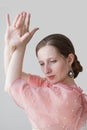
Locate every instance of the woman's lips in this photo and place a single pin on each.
(51, 77)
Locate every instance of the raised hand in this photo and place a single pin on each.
(18, 34)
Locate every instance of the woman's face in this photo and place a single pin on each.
(54, 66)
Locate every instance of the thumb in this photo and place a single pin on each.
(28, 35)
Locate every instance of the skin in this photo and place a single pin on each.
(54, 65)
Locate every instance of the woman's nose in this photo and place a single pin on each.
(47, 69)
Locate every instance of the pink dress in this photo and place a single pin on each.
(51, 107)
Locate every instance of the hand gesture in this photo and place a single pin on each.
(18, 34)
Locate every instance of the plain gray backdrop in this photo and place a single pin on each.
(51, 16)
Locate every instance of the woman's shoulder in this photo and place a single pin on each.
(36, 80)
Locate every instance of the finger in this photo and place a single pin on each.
(15, 20)
(22, 23)
(21, 20)
(33, 31)
(27, 36)
(23, 30)
(8, 20)
(18, 21)
(28, 21)
(24, 17)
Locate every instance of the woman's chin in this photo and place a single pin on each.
(53, 81)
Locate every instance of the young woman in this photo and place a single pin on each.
(54, 102)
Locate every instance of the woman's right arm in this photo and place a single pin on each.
(18, 38)
(15, 67)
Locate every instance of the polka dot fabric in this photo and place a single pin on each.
(51, 107)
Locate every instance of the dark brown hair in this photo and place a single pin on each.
(64, 46)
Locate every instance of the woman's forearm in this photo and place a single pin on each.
(15, 67)
(8, 51)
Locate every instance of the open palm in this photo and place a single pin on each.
(17, 33)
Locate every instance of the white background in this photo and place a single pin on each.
(51, 16)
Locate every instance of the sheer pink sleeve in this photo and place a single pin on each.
(51, 106)
(20, 89)
(36, 81)
(16, 91)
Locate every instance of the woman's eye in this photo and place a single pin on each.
(41, 64)
(54, 61)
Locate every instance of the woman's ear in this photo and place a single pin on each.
(70, 59)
